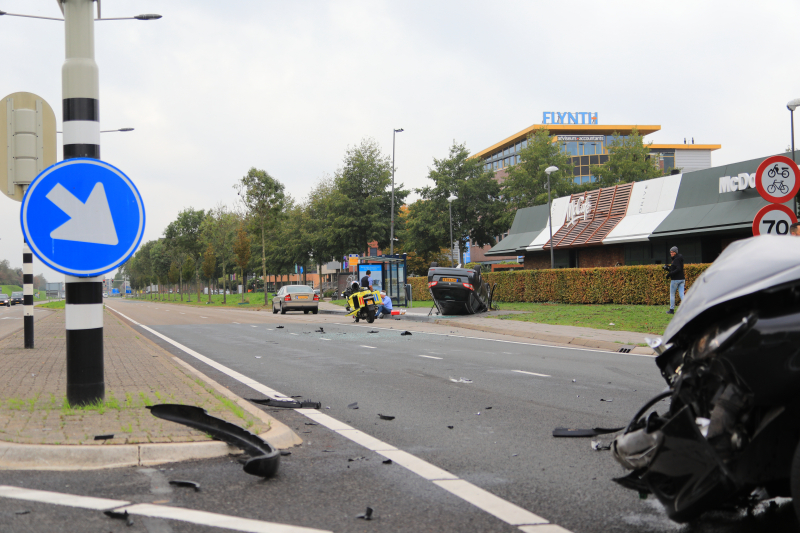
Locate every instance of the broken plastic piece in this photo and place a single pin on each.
(120, 516)
(286, 452)
(351, 459)
(387, 462)
(353, 405)
(462, 380)
(366, 515)
(406, 333)
(278, 327)
(449, 427)
(104, 437)
(593, 432)
(289, 404)
(182, 483)
(602, 400)
(597, 445)
(385, 417)
(372, 331)
(320, 330)
(26, 511)
(264, 459)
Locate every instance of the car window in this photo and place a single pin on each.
(299, 288)
(3, 295)
(16, 294)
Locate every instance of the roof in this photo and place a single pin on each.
(685, 146)
(580, 129)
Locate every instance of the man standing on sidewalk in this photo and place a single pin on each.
(677, 278)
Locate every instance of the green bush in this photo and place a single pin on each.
(632, 285)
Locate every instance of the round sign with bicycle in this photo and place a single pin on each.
(773, 219)
(777, 179)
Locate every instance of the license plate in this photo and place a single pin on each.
(454, 280)
(302, 297)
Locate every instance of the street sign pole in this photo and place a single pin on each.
(27, 294)
(80, 90)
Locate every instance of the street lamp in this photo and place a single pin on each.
(791, 106)
(450, 204)
(391, 236)
(550, 170)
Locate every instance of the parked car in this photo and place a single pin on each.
(16, 298)
(295, 298)
(5, 300)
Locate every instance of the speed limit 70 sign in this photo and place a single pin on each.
(773, 219)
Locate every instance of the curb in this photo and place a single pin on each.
(561, 339)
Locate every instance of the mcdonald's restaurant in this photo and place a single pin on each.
(700, 212)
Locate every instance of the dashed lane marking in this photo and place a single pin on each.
(365, 346)
(533, 373)
(429, 357)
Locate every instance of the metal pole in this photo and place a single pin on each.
(391, 231)
(27, 294)
(550, 224)
(791, 114)
(450, 204)
(83, 308)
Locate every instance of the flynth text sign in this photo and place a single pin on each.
(580, 117)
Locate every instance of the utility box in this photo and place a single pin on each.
(27, 141)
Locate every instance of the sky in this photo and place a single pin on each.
(215, 88)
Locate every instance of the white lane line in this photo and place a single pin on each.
(56, 498)
(294, 334)
(155, 511)
(418, 466)
(236, 323)
(203, 317)
(323, 339)
(533, 373)
(269, 329)
(365, 346)
(486, 501)
(505, 511)
(584, 349)
(214, 519)
(250, 326)
(429, 357)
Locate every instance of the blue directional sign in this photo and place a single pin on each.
(71, 225)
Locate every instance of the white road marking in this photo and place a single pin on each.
(323, 339)
(533, 374)
(155, 511)
(183, 313)
(584, 349)
(430, 357)
(293, 333)
(203, 317)
(484, 500)
(365, 346)
(250, 325)
(236, 323)
(269, 329)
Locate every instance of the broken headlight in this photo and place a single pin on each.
(717, 338)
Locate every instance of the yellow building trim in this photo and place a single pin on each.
(685, 146)
(573, 129)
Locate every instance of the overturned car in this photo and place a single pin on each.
(731, 358)
(459, 291)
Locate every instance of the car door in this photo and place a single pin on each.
(278, 297)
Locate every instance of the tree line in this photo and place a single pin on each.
(267, 233)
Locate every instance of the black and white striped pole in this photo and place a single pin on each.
(27, 294)
(80, 92)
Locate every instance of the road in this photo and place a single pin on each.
(491, 430)
(11, 318)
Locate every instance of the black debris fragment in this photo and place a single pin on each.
(320, 330)
(286, 452)
(593, 432)
(185, 483)
(450, 427)
(311, 424)
(372, 331)
(327, 451)
(351, 459)
(23, 511)
(385, 417)
(397, 319)
(602, 400)
(295, 396)
(120, 516)
(288, 404)
(104, 437)
(366, 515)
(406, 333)
(598, 445)
(278, 327)
(488, 407)
(353, 405)
(387, 462)
(264, 459)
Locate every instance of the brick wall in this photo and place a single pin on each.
(537, 261)
(601, 256)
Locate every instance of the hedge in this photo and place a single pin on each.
(634, 285)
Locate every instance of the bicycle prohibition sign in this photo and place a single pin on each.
(777, 179)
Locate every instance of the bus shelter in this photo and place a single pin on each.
(389, 273)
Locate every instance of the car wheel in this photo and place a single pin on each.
(283, 311)
(274, 311)
(356, 320)
(305, 311)
(314, 311)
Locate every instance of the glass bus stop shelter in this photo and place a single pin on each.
(393, 275)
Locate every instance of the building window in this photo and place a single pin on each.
(524, 143)
(373, 252)
(495, 165)
(519, 158)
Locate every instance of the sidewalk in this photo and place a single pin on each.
(39, 430)
(587, 337)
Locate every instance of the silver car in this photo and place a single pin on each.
(295, 298)
(5, 300)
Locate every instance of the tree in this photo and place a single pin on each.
(219, 229)
(209, 266)
(241, 247)
(145, 264)
(264, 198)
(628, 161)
(160, 261)
(174, 275)
(526, 184)
(361, 202)
(189, 269)
(184, 231)
(476, 212)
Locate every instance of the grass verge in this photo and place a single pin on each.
(252, 299)
(640, 318)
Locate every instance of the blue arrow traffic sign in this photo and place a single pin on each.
(71, 225)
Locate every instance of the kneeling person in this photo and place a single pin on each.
(386, 306)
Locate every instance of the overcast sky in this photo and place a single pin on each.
(214, 88)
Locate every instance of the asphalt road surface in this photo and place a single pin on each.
(492, 430)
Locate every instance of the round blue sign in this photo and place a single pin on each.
(82, 217)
